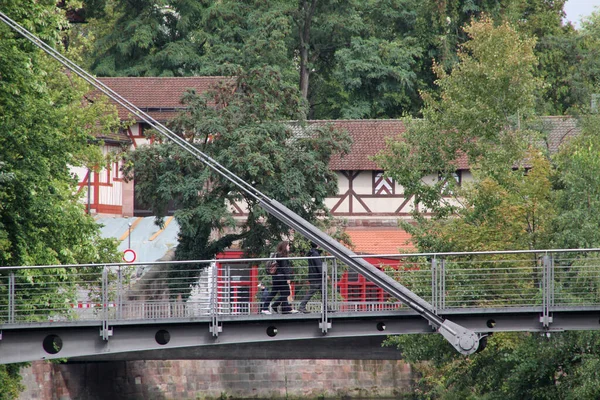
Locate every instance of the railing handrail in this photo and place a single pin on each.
(325, 257)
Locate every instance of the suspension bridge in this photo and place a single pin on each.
(211, 309)
(110, 321)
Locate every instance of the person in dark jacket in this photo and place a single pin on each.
(281, 283)
(315, 278)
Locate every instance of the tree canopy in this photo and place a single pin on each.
(45, 130)
(520, 197)
(243, 127)
(348, 59)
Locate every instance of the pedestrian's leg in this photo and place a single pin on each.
(279, 284)
(265, 306)
(286, 308)
(315, 286)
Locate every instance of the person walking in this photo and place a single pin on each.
(263, 294)
(315, 278)
(281, 282)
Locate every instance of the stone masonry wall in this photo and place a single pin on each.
(201, 379)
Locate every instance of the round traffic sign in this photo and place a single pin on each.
(129, 256)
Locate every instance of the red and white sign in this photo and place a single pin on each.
(91, 305)
(129, 256)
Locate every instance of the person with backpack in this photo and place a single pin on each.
(281, 282)
(315, 278)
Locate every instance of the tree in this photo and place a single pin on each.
(45, 130)
(478, 116)
(183, 38)
(243, 128)
(519, 199)
(513, 366)
(569, 65)
(148, 38)
(577, 224)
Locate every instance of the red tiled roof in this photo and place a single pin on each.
(380, 241)
(368, 137)
(154, 94)
(559, 130)
(160, 97)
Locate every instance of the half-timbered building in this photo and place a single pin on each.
(370, 203)
(105, 190)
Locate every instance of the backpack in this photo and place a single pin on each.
(271, 265)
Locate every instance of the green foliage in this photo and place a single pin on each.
(10, 381)
(45, 130)
(246, 134)
(148, 38)
(513, 366)
(189, 37)
(476, 117)
(376, 78)
(577, 188)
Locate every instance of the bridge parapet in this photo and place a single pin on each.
(200, 288)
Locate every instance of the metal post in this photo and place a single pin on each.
(434, 285)
(547, 290)
(89, 192)
(129, 237)
(334, 279)
(106, 331)
(214, 327)
(438, 284)
(119, 294)
(11, 298)
(325, 325)
(442, 294)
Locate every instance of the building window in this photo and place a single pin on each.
(457, 177)
(382, 185)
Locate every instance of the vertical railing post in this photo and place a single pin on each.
(551, 288)
(119, 313)
(442, 292)
(547, 290)
(325, 325)
(106, 331)
(434, 284)
(227, 304)
(11, 298)
(214, 327)
(438, 284)
(334, 281)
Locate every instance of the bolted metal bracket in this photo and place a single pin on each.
(546, 320)
(464, 340)
(325, 326)
(106, 331)
(215, 329)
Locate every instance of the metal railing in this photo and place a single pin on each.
(215, 289)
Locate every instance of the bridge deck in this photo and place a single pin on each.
(118, 311)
